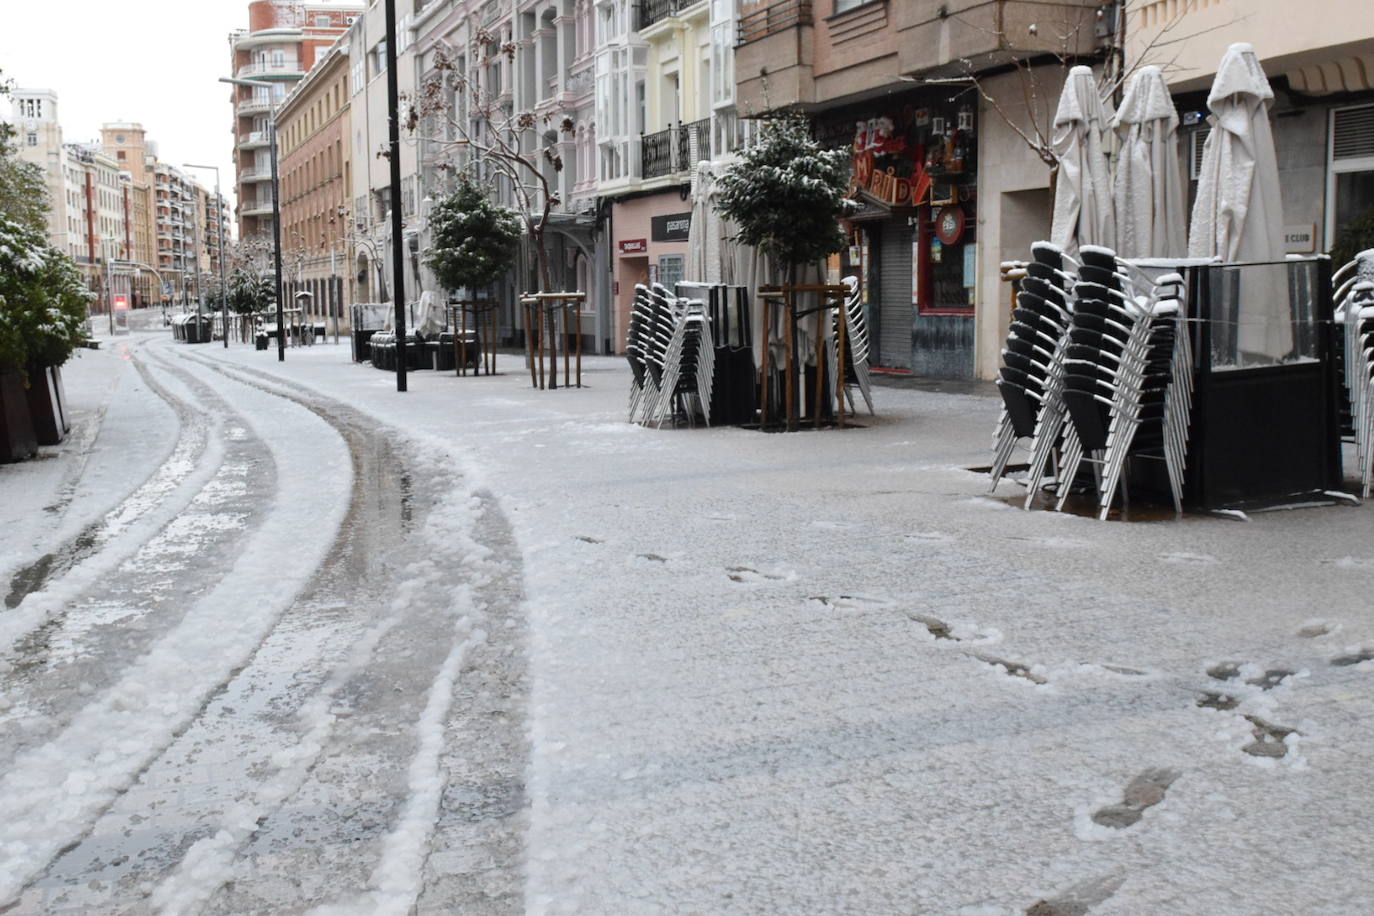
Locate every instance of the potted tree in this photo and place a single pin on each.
(43, 306)
(473, 242)
(786, 195)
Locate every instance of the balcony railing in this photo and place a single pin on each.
(760, 19)
(261, 173)
(651, 11)
(675, 150)
(253, 106)
(285, 68)
(253, 138)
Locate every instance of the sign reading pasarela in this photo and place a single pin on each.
(633, 246)
(671, 228)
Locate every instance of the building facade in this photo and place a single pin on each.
(280, 45)
(316, 176)
(1321, 68)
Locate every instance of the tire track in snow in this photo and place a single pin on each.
(259, 830)
(45, 587)
(80, 650)
(456, 837)
(51, 795)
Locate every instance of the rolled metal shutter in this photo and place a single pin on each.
(894, 296)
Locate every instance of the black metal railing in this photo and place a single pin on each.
(760, 20)
(675, 150)
(656, 154)
(651, 11)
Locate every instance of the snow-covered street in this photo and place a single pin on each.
(280, 639)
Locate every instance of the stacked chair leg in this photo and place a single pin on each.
(1098, 371)
(1030, 378)
(1354, 314)
(1126, 378)
(856, 346)
(673, 358)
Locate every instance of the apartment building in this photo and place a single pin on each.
(127, 142)
(280, 45)
(38, 140)
(665, 102)
(949, 189)
(316, 175)
(1320, 65)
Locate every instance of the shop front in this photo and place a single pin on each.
(649, 245)
(914, 241)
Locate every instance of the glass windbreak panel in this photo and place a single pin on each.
(1354, 197)
(1263, 315)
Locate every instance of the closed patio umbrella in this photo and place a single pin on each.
(1238, 214)
(1082, 197)
(1147, 188)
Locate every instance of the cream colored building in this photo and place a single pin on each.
(1319, 58)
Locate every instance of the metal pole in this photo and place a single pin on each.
(276, 232)
(200, 292)
(393, 128)
(109, 286)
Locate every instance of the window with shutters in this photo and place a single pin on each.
(1350, 172)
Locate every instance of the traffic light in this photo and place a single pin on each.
(121, 303)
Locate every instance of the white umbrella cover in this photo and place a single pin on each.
(1147, 189)
(1238, 215)
(1082, 197)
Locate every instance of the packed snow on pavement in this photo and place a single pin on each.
(278, 637)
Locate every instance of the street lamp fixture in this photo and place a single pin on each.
(276, 202)
(219, 225)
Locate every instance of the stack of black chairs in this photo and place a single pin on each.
(1031, 378)
(1127, 377)
(734, 387)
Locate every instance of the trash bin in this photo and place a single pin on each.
(261, 341)
(361, 351)
(441, 353)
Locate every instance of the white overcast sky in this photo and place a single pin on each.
(151, 61)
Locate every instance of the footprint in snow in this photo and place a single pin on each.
(1265, 680)
(1269, 738)
(938, 536)
(848, 602)
(1079, 899)
(835, 526)
(1349, 562)
(1032, 673)
(588, 539)
(954, 632)
(750, 574)
(651, 557)
(1353, 658)
(1145, 791)
(1316, 628)
(1199, 559)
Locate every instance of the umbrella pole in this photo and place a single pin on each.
(763, 362)
(790, 365)
(567, 346)
(818, 390)
(838, 383)
(578, 314)
(463, 342)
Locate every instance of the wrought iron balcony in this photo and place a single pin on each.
(651, 11)
(675, 150)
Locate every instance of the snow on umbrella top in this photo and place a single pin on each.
(1147, 188)
(1238, 215)
(1082, 198)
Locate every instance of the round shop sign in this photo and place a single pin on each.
(949, 224)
